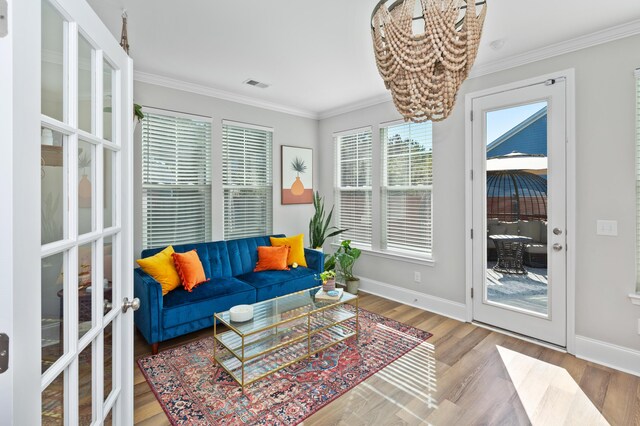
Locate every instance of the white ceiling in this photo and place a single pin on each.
(317, 55)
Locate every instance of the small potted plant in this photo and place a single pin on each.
(319, 229)
(343, 260)
(328, 280)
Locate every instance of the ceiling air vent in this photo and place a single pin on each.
(256, 83)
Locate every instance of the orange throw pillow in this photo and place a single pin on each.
(272, 259)
(190, 269)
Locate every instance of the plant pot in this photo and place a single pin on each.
(353, 285)
(329, 285)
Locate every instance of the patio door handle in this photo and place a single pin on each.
(557, 247)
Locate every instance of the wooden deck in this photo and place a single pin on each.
(462, 375)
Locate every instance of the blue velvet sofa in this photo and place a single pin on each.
(230, 266)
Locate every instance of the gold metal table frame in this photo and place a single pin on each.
(278, 325)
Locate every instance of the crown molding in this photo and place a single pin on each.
(599, 37)
(199, 89)
(369, 102)
(557, 49)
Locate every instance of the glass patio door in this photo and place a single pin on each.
(71, 100)
(519, 192)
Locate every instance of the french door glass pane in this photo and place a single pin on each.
(109, 273)
(516, 273)
(108, 421)
(86, 56)
(109, 103)
(108, 359)
(85, 290)
(53, 402)
(53, 189)
(86, 179)
(85, 411)
(52, 309)
(109, 185)
(53, 70)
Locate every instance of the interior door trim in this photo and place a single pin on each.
(569, 76)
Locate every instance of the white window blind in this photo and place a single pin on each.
(247, 180)
(353, 186)
(407, 187)
(638, 179)
(176, 179)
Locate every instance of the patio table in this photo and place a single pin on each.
(510, 250)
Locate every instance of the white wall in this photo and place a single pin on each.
(605, 121)
(288, 130)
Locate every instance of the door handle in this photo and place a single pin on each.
(557, 247)
(133, 304)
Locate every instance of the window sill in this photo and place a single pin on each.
(393, 255)
(635, 298)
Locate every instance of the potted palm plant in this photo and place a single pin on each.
(343, 261)
(319, 229)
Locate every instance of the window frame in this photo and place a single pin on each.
(385, 188)
(636, 297)
(268, 186)
(208, 230)
(339, 189)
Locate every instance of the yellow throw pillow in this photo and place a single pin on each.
(161, 267)
(296, 248)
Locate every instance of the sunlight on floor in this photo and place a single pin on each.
(413, 377)
(548, 393)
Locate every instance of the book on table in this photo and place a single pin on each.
(322, 295)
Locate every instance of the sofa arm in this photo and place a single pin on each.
(148, 318)
(315, 259)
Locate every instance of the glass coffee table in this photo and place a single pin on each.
(283, 331)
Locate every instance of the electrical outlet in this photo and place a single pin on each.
(417, 277)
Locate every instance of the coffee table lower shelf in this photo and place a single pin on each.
(283, 354)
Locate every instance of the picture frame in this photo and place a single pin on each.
(297, 175)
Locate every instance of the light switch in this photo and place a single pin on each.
(607, 227)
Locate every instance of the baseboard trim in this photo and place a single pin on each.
(608, 354)
(416, 299)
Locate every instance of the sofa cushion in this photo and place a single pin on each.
(530, 228)
(512, 228)
(270, 284)
(218, 295)
(243, 253)
(543, 232)
(492, 221)
(497, 229)
(536, 248)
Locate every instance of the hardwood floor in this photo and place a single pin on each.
(458, 377)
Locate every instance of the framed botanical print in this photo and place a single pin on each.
(297, 175)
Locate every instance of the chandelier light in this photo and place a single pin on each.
(424, 71)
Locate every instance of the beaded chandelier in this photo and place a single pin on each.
(424, 71)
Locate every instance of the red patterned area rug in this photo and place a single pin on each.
(193, 390)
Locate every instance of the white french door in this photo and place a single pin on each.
(520, 209)
(67, 216)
